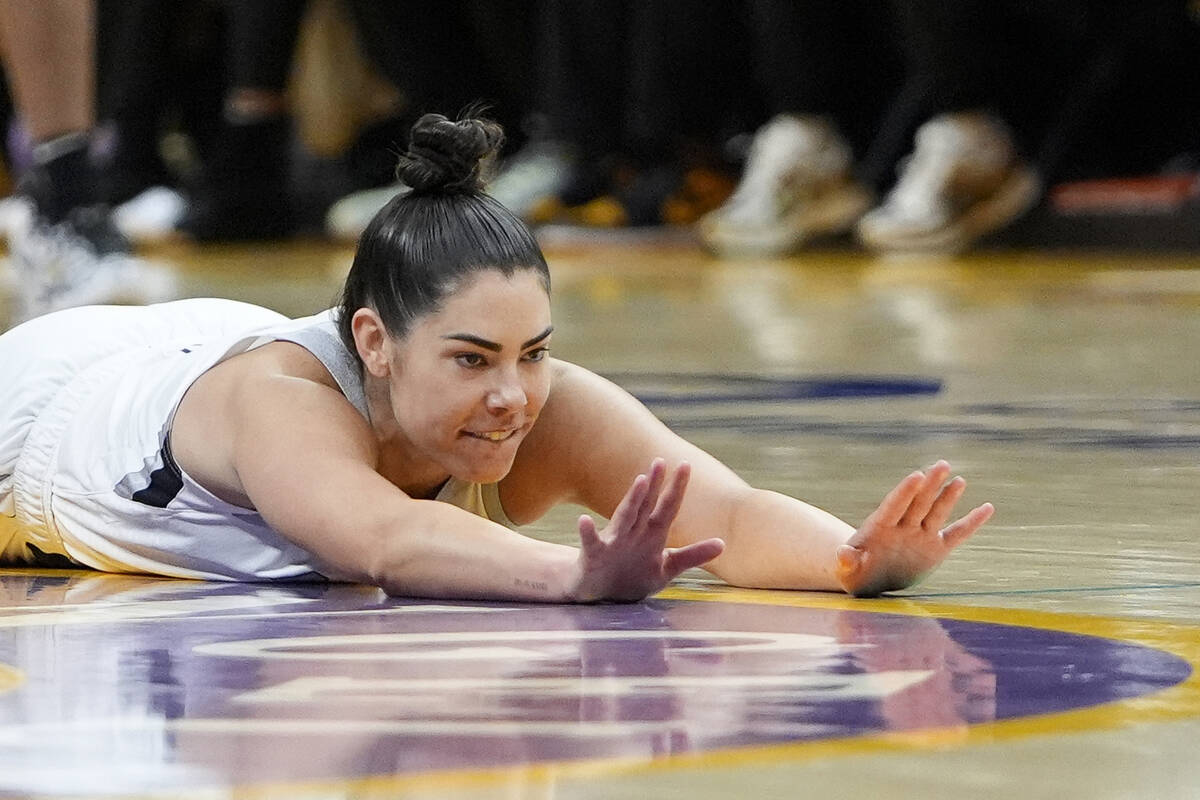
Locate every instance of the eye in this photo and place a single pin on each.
(470, 359)
(538, 354)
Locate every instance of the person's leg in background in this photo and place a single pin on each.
(67, 251)
(968, 173)
(624, 88)
(442, 57)
(147, 88)
(49, 60)
(244, 190)
(826, 68)
(582, 78)
(679, 55)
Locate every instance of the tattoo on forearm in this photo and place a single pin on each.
(524, 584)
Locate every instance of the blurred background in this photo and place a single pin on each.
(749, 127)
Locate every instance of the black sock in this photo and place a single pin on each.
(62, 176)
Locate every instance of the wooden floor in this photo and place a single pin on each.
(1052, 657)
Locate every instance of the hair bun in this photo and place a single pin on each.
(448, 156)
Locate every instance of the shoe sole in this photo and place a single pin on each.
(1015, 197)
(835, 213)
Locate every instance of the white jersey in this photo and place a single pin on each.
(87, 397)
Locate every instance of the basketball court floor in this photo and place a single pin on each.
(1053, 656)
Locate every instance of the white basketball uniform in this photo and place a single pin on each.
(87, 397)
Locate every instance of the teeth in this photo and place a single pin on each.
(493, 436)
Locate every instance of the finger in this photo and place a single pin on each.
(940, 511)
(899, 499)
(935, 476)
(958, 533)
(657, 476)
(849, 559)
(671, 499)
(678, 559)
(589, 537)
(626, 514)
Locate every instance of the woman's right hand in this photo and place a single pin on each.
(628, 560)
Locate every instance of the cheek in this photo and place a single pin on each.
(538, 391)
(429, 404)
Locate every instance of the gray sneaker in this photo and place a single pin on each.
(962, 181)
(796, 186)
(82, 260)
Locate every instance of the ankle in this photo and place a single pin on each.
(61, 177)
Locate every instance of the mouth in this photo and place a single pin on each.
(493, 436)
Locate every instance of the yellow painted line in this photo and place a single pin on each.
(10, 677)
(1179, 701)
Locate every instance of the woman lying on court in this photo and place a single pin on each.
(398, 439)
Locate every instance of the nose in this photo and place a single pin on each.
(507, 395)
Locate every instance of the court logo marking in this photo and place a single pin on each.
(458, 692)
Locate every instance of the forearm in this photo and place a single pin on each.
(438, 550)
(777, 542)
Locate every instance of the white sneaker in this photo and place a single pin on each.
(963, 180)
(796, 186)
(16, 213)
(538, 172)
(348, 218)
(81, 261)
(151, 216)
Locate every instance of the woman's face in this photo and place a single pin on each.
(469, 380)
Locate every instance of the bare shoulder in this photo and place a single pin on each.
(588, 433)
(536, 483)
(590, 442)
(278, 384)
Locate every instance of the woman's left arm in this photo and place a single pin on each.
(593, 438)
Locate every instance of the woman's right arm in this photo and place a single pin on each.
(306, 460)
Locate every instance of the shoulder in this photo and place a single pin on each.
(272, 363)
(592, 439)
(579, 401)
(276, 402)
(285, 380)
(586, 419)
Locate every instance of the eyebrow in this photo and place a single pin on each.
(493, 346)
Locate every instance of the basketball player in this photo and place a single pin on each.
(398, 439)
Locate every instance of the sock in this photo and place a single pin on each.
(64, 179)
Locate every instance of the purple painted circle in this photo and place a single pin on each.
(332, 683)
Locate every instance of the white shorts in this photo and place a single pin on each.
(85, 399)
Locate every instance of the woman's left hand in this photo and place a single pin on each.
(903, 539)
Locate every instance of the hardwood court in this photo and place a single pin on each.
(1052, 656)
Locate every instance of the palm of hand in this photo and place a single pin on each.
(903, 539)
(628, 561)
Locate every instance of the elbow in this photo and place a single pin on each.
(388, 563)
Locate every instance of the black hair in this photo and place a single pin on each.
(423, 244)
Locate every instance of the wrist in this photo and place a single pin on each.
(556, 578)
(575, 588)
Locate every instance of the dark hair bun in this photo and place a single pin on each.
(448, 156)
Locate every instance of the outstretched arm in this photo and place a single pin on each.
(296, 451)
(592, 436)
(793, 545)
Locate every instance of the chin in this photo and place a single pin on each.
(488, 466)
(482, 475)
(479, 471)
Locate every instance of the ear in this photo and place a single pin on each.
(372, 341)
